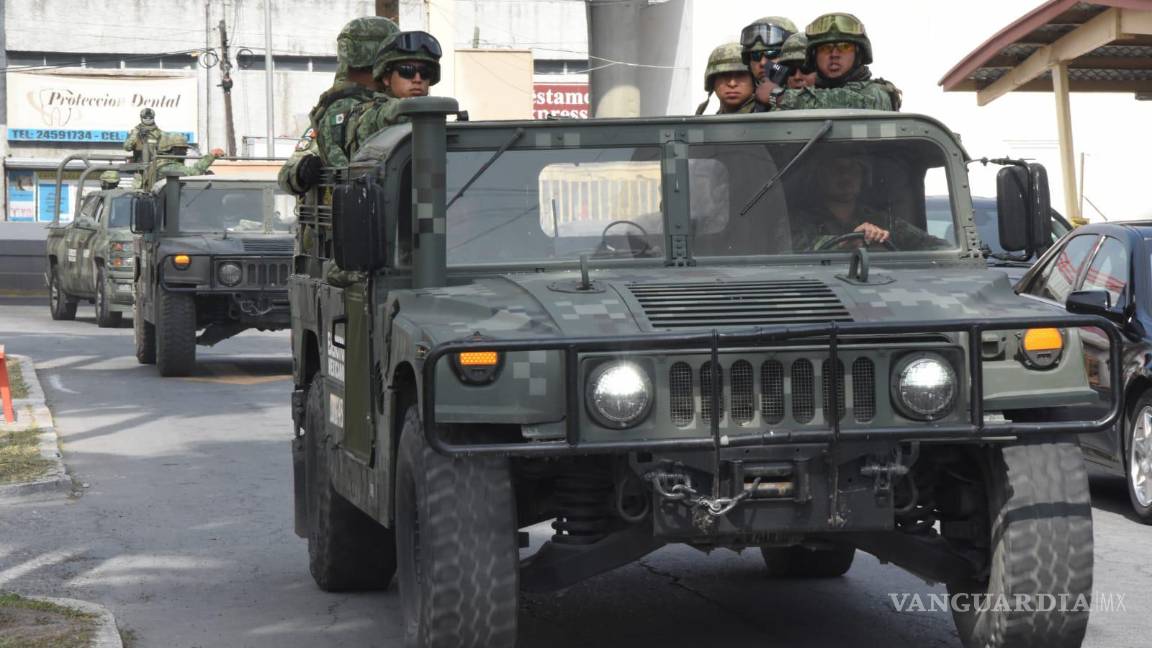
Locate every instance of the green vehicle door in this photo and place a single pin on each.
(358, 419)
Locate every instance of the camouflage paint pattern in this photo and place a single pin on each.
(864, 95)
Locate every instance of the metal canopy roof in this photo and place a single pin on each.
(1106, 46)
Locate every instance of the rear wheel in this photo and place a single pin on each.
(1040, 555)
(1138, 457)
(347, 550)
(803, 562)
(175, 333)
(62, 305)
(456, 546)
(105, 316)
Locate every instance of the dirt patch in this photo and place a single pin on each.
(25, 623)
(16, 379)
(20, 459)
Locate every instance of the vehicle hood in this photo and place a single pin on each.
(699, 299)
(233, 244)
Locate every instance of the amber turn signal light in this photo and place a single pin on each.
(1043, 339)
(478, 359)
(181, 261)
(477, 367)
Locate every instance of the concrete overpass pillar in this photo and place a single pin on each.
(614, 37)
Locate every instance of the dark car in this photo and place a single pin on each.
(1103, 269)
(987, 224)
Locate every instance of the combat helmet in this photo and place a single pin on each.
(171, 141)
(110, 177)
(723, 59)
(767, 33)
(359, 41)
(409, 46)
(795, 50)
(838, 28)
(147, 113)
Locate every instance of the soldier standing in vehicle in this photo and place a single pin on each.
(109, 180)
(794, 55)
(839, 51)
(172, 149)
(762, 42)
(408, 66)
(145, 135)
(729, 79)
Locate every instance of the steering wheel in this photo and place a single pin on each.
(851, 236)
(605, 249)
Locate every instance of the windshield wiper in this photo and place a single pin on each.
(787, 167)
(197, 194)
(495, 156)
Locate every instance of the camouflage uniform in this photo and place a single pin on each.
(357, 47)
(724, 59)
(169, 143)
(857, 88)
(812, 229)
(380, 112)
(144, 134)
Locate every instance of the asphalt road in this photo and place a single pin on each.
(184, 529)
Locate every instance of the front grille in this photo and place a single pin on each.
(268, 245)
(777, 391)
(260, 274)
(738, 303)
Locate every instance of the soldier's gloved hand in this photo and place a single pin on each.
(308, 171)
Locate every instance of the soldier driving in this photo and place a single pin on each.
(145, 135)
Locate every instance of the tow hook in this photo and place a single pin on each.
(883, 473)
(706, 510)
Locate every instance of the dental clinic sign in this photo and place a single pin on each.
(96, 106)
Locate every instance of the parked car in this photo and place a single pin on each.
(940, 221)
(1103, 269)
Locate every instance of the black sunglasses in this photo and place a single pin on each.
(410, 70)
(760, 55)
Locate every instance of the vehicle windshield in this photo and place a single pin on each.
(558, 204)
(120, 214)
(225, 207)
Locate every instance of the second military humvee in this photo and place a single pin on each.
(92, 257)
(629, 329)
(213, 256)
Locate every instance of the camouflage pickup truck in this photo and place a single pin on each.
(728, 332)
(91, 257)
(212, 260)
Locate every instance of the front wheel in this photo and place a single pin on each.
(175, 333)
(1037, 589)
(1138, 457)
(456, 546)
(62, 305)
(105, 316)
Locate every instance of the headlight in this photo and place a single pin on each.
(619, 394)
(924, 386)
(122, 263)
(229, 273)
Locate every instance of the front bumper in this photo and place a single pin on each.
(972, 427)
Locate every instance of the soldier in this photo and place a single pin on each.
(730, 79)
(762, 40)
(408, 66)
(109, 180)
(840, 211)
(144, 135)
(794, 54)
(175, 146)
(839, 51)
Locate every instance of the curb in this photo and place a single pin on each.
(107, 635)
(33, 413)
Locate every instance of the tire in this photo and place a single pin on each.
(456, 546)
(1138, 457)
(1041, 544)
(62, 305)
(144, 332)
(175, 333)
(105, 317)
(802, 562)
(347, 550)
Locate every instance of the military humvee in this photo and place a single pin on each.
(213, 255)
(613, 325)
(92, 257)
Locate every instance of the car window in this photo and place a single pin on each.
(1057, 278)
(1109, 269)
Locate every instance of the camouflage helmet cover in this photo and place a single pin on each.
(169, 141)
(725, 58)
(795, 50)
(838, 28)
(390, 54)
(110, 177)
(147, 113)
(360, 40)
(769, 21)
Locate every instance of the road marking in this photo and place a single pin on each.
(39, 562)
(58, 384)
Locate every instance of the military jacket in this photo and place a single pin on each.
(155, 172)
(330, 120)
(370, 118)
(289, 178)
(874, 94)
(812, 229)
(143, 135)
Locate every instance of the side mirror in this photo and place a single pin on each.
(359, 230)
(1093, 302)
(1041, 207)
(143, 214)
(1023, 208)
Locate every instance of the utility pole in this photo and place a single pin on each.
(389, 9)
(268, 70)
(226, 84)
